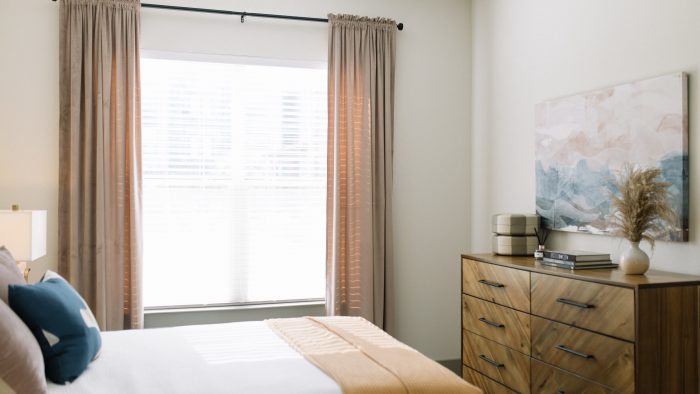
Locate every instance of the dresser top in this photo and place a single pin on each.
(616, 277)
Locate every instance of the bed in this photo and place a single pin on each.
(246, 357)
(48, 334)
(259, 357)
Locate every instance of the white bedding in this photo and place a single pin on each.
(244, 357)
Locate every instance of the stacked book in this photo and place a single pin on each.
(577, 259)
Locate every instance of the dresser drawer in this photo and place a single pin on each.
(602, 308)
(498, 323)
(489, 386)
(496, 361)
(505, 286)
(606, 360)
(548, 380)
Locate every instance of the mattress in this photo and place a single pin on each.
(245, 357)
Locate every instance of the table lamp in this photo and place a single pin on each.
(24, 234)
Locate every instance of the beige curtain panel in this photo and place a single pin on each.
(359, 253)
(100, 247)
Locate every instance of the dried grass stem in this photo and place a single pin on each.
(641, 205)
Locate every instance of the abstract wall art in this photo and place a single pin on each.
(583, 141)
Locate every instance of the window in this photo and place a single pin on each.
(234, 181)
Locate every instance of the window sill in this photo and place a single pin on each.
(214, 314)
(241, 307)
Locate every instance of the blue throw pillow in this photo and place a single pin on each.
(62, 323)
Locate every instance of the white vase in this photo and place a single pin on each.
(634, 261)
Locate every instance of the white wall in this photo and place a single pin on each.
(29, 114)
(431, 142)
(528, 51)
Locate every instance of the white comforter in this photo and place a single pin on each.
(242, 357)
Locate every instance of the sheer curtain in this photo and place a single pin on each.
(361, 62)
(99, 157)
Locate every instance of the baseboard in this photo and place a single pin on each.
(454, 365)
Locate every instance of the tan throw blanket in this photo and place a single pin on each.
(363, 359)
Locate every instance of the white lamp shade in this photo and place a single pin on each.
(23, 233)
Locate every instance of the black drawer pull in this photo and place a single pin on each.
(491, 323)
(492, 284)
(492, 362)
(574, 352)
(559, 392)
(574, 303)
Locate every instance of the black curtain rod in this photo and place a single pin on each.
(243, 14)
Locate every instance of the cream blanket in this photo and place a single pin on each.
(363, 359)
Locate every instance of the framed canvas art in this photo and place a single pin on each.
(583, 141)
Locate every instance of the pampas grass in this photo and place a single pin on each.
(641, 205)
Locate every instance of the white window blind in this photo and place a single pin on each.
(234, 182)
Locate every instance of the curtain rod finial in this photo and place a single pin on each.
(399, 26)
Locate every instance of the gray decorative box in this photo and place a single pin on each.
(518, 245)
(515, 224)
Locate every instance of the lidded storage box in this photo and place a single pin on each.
(514, 234)
(515, 224)
(514, 245)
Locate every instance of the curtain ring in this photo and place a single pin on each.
(243, 17)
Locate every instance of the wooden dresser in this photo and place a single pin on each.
(531, 328)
